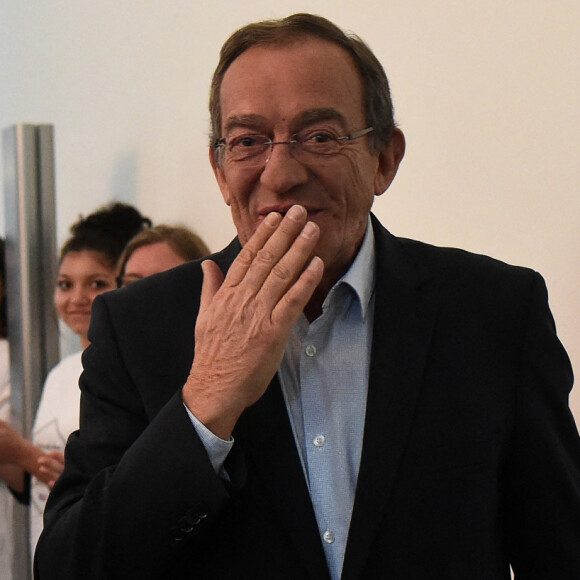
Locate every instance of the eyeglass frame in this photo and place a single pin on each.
(221, 144)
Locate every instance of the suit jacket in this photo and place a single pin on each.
(470, 460)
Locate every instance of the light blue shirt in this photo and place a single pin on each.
(324, 377)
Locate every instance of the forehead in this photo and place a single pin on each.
(153, 255)
(280, 83)
(83, 262)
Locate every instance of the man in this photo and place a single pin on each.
(320, 399)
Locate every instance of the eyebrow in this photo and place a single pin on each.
(244, 121)
(309, 117)
(317, 115)
(99, 275)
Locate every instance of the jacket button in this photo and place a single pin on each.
(187, 523)
(200, 510)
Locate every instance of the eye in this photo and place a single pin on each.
(100, 284)
(247, 146)
(318, 137)
(319, 142)
(247, 141)
(63, 285)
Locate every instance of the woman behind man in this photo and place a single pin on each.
(87, 268)
(158, 249)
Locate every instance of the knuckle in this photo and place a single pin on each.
(246, 256)
(265, 256)
(281, 272)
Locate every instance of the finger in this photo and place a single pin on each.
(212, 280)
(58, 455)
(289, 230)
(50, 462)
(287, 270)
(53, 469)
(246, 256)
(53, 460)
(294, 301)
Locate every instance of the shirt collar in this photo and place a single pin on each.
(361, 274)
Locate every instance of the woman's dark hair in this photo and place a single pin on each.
(106, 231)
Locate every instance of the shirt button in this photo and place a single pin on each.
(319, 440)
(310, 350)
(328, 537)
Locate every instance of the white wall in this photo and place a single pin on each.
(486, 92)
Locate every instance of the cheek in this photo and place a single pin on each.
(351, 178)
(240, 208)
(93, 293)
(362, 175)
(59, 304)
(237, 186)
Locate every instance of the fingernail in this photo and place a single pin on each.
(272, 218)
(309, 229)
(295, 212)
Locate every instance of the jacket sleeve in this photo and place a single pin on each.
(543, 479)
(137, 490)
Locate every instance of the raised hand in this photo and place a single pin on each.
(245, 319)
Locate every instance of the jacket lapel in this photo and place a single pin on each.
(401, 338)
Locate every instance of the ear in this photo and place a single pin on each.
(389, 160)
(220, 177)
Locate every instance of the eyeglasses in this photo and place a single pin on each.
(254, 150)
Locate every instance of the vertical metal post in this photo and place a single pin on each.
(29, 195)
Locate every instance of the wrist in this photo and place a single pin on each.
(216, 412)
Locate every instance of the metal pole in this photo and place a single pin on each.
(30, 272)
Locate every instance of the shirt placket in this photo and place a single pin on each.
(325, 469)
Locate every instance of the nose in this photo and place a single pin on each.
(283, 171)
(80, 296)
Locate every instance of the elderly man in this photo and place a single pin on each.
(320, 399)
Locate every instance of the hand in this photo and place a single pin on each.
(11, 444)
(17, 455)
(50, 466)
(244, 320)
(16, 451)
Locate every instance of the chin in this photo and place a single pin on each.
(78, 329)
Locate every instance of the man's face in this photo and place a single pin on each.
(282, 91)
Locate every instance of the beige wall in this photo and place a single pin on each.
(486, 92)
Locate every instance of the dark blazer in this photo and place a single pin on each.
(470, 461)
